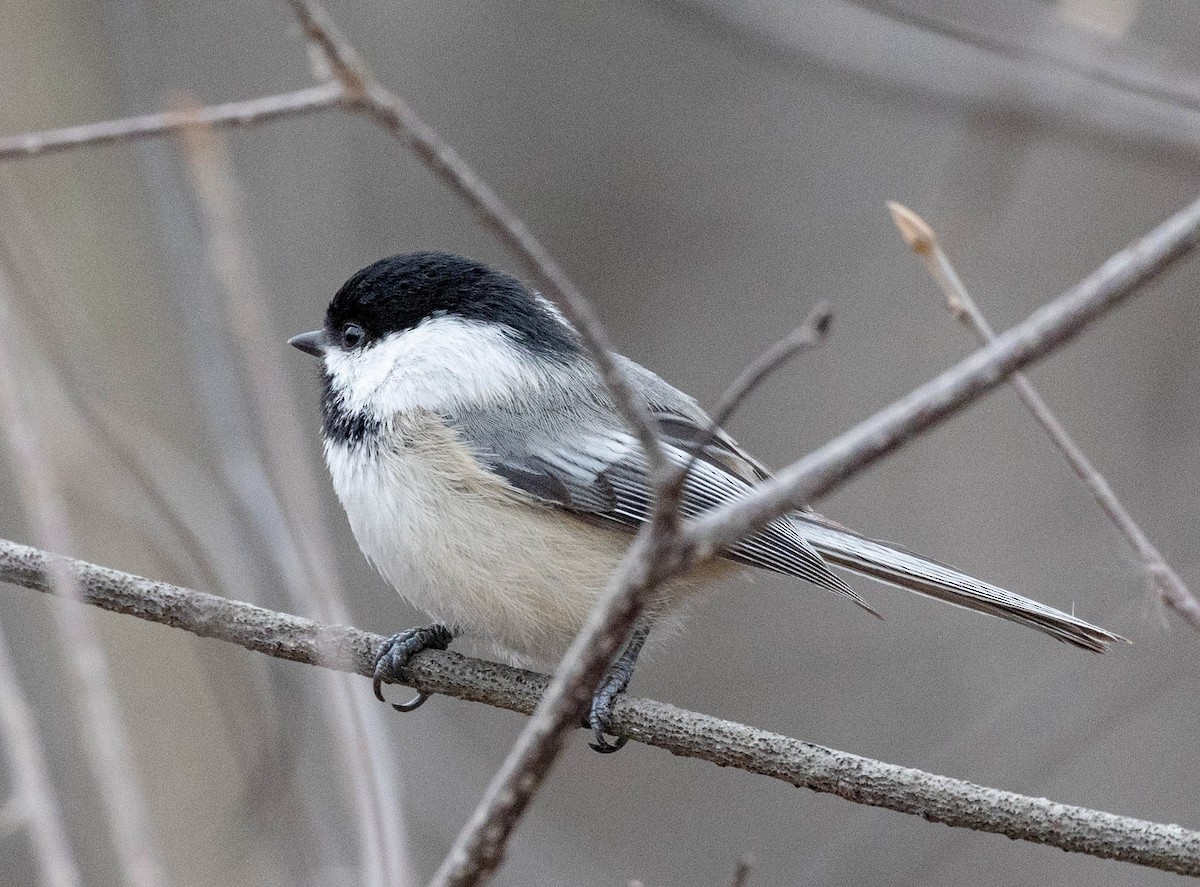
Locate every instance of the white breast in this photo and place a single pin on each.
(466, 548)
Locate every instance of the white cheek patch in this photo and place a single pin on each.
(442, 363)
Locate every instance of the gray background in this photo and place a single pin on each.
(705, 171)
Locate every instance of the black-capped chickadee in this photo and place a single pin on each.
(491, 481)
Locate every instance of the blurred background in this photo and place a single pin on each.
(705, 171)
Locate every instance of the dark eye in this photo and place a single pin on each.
(353, 335)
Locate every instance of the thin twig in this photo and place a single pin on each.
(105, 739)
(243, 113)
(809, 334)
(33, 795)
(1047, 329)
(301, 547)
(689, 734)
(1172, 590)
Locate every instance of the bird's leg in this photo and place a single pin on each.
(620, 673)
(396, 651)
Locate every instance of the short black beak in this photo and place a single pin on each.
(313, 343)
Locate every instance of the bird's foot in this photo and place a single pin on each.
(600, 714)
(398, 650)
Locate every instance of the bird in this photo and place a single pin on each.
(488, 476)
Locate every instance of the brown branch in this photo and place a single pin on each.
(689, 734)
(105, 740)
(808, 335)
(242, 113)
(1045, 330)
(1172, 590)
(652, 559)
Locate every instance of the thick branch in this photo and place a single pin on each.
(689, 734)
(243, 113)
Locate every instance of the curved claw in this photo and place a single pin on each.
(395, 653)
(412, 704)
(602, 745)
(599, 716)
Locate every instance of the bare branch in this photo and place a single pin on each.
(809, 334)
(651, 560)
(656, 555)
(33, 794)
(105, 740)
(1045, 330)
(1172, 590)
(244, 113)
(689, 734)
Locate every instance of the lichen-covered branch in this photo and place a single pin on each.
(690, 734)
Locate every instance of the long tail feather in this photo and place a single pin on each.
(895, 566)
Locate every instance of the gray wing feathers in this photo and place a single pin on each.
(600, 473)
(571, 452)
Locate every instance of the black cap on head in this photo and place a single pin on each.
(399, 292)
